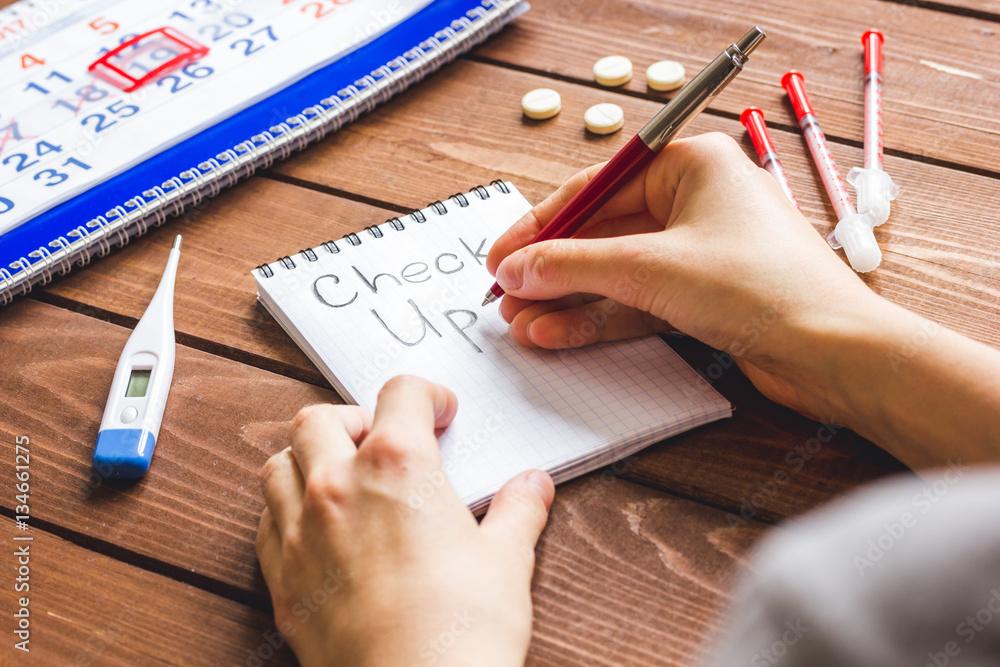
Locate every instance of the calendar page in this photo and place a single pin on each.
(64, 129)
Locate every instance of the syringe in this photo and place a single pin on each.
(874, 187)
(854, 230)
(753, 119)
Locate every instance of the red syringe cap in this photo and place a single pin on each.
(873, 31)
(750, 112)
(753, 120)
(794, 84)
(872, 40)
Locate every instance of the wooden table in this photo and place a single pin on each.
(637, 560)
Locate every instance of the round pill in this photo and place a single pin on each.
(541, 103)
(613, 71)
(665, 75)
(604, 118)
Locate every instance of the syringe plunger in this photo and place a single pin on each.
(875, 190)
(854, 233)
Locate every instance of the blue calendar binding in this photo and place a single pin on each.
(125, 206)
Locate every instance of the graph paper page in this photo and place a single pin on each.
(409, 302)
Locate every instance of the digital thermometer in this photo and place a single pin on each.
(139, 390)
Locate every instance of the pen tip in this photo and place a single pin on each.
(486, 301)
(177, 242)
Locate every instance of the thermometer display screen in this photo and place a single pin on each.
(138, 382)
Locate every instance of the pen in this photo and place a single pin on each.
(644, 146)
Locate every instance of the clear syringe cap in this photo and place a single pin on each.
(855, 235)
(875, 190)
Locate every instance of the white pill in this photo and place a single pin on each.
(613, 71)
(665, 75)
(604, 118)
(541, 103)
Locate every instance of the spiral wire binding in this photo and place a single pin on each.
(210, 177)
(353, 239)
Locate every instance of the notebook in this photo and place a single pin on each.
(390, 45)
(404, 297)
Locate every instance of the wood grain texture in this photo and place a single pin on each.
(658, 569)
(765, 462)
(947, 241)
(197, 508)
(940, 261)
(930, 110)
(624, 576)
(193, 516)
(88, 609)
(986, 9)
(224, 239)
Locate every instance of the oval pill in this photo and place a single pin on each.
(613, 71)
(541, 103)
(605, 118)
(665, 75)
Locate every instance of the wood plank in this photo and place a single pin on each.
(785, 462)
(89, 609)
(194, 511)
(950, 234)
(621, 573)
(217, 304)
(225, 452)
(197, 508)
(929, 110)
(628, 578)
(215, 298)
(985, 9)
(934, 221)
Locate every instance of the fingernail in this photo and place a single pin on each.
(528, 332)
(542, 485)
(510, 272)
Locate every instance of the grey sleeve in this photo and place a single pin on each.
(903, 573)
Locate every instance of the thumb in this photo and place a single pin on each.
(518, 513)
(616, 267)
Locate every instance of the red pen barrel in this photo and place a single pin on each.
(628, 162)
(621, 168)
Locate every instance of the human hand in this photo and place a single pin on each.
(360, 577)
(703, 241)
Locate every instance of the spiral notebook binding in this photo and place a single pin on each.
(191, 186)
(376, 231)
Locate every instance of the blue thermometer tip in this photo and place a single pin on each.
(123, 453)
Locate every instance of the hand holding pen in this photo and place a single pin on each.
(650, 140)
